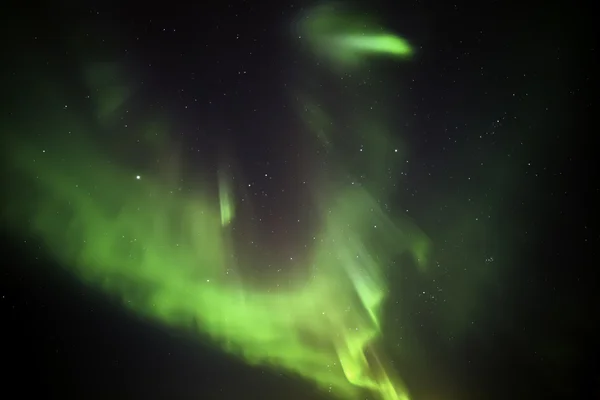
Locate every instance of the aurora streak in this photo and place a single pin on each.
(167, 254)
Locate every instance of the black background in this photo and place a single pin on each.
(64, 340)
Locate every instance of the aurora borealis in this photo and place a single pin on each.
(315, 219)
(167, 255)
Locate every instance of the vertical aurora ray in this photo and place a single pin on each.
(167, 254)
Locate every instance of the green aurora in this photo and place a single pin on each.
(167, 254)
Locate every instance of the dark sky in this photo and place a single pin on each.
(494, 112)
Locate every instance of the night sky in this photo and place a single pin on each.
(489, 124)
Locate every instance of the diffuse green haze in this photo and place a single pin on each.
(167, 254)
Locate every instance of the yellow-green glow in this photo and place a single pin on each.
(226, 205)
(386, 44)
(167, 254)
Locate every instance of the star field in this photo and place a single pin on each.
(488, 155)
